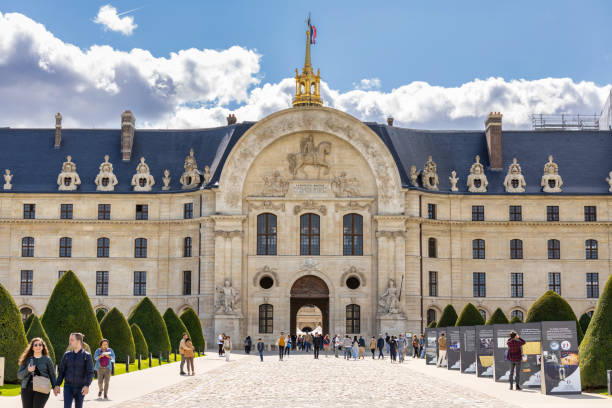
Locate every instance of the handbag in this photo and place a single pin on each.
(40, 383)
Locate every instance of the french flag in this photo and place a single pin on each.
(313, 34)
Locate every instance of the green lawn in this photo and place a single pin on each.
(602, 391)
(10, 390)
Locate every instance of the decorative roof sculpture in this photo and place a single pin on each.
(68, 179)
(515, 181)
(106, 179)
(191, 176)
(477, 180)
(142, 180)
(429, 175)
(551, 180)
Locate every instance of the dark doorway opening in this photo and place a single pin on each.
(309, 290)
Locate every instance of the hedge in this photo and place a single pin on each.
(594, 352)
(28, 321)
(448, 318)
(432, 325)
(100, 314)
(13, 338)
(176, 328)
(498, 317)
(69, 310)
(192, 322)
(516, 319)
(37, 330)
(119, 335)
(153, 327)
(140, 344)
(552, 307)
(470, 316)
(584, 321)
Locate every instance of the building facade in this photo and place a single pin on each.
(379, 227)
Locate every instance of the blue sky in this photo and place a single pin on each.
(441, 43)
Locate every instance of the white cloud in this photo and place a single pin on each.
(41, 75)
(108, 17)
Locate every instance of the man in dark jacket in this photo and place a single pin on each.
(76, 368)
(515, 356)
(380, 343)
(317, 344)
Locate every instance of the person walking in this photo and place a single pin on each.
(189, 353)
(337, 345)
(373, 346)
(422, 346)
(346, 346)
(181, 352)
(415, 346)
(104, 357)
(393, 349)
(76, 367)
(260, 348)
(355, 348)
(361, 344)
(227, 347)
(317, 344)
(308, 342)
(287, 345)
(515, 356)
(281, 346)
(441, 350)
(380, 343)
(220, 340)
(387, 340)
(326, 344)
(247, 345)
(35, 362)
(401, 346)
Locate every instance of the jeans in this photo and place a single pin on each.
(373, 352)
(287, 350)
(220, 349)
(182, 363)
(515, 366)
(261, 355)
(380, 353)
(316, 352)
(387, 347)
(73, 393)
(33, 399)
(104, 374)
(347, 353)
(281, 350)
(416, 351)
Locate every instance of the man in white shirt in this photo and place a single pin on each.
(220, 343)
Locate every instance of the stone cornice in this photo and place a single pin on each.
(418, 220)
(102, 222)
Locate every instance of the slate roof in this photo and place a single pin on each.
(584, 157)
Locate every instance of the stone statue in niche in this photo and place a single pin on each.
(454, 180)
(429, 175)
(106, 179)
(227, 298)
(389, 300)
(166, 180)
(191, 176)
(142, 180)
(310, 155)
(68, 179)
(275, 185)
(551, 180)
(477, 180)
(344, 186)
(207, 174)
(414, 176)
(8, 177)
(608, 179)
(515, 181)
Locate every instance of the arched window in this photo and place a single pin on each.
(517, 313)
(103, 247)
(431, 316)
(483, 313)
(140, 248)
(432, 248)
(266, 234)
(25, 313)
(554, 249)
(65, 247)
(309, 234)
(516, 249)
(266, 318)
(353, 234)
(591, 249)
(27, 246)
(478, 249)
(353, 319)
(187, 247)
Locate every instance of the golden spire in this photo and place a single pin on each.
(307, 84)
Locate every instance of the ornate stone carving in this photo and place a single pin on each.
(106, 179)
(267, 205)
(477, 180)
(514, 181)
(227, 298)
(309, 286)
(353, 206)
(344, 186)
(166, 180)
(414, 176)
(429, 175)
(608, 179)
(206, 174)
(390, 234)
(388, 302)
(454, 180)
(353, 271)
(228, 234)
(309, 265)
(142, 180)
(266, 270)
(275, 185)
(191, 176)
(8, 177)
(551, 180)
(310, 205)
(68, 179)
(309, 155)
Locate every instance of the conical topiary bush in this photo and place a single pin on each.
(119, 335)
(100, 314)
(28, 322)
(69, 310)
(12, 335)
(595, 350)
(516, 319)
(498, 317)
(470, 316)
(433, 325)
(140, 344)
(153, 327)
(176, 328)
(37, 330)
(552, 307)
(448, 318)
(584, 321)
(192, 322)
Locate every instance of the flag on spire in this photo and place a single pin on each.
(313, 32)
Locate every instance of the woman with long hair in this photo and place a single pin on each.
(35, 362)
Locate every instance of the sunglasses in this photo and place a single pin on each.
(37, 345)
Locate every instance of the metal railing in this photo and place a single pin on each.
(564, 121)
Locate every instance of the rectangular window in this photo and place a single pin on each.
(104, 211)
(592, 284)
(27, 278)
(29, 211)
(266, 318)
(66, 211)
(516, 213)
(590, 213)
(433, 283)
(554, 282)
(353, 319)
(142, 212)
(480, 289)
(65, 250)
(516, 249)
(431, 211)
(516, 284)
(552, 213)
(309, 234)
(266, 234)
(352, 234)
(478, 213)
(188, 211)
(102, 283)
(186, 282)
(140, 283)
(60, 274)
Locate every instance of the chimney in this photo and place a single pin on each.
(231, 119)
(390, 121)
(127, 134)
(493, 132)
(58, 131)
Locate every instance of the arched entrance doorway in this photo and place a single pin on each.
(309, 319)
(309, 291)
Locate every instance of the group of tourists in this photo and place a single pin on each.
(224, 343)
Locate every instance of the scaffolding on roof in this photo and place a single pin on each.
(564, 121)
